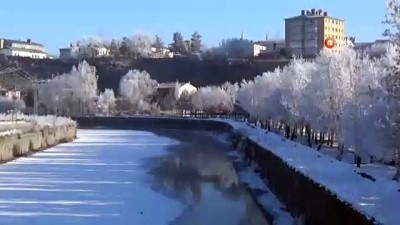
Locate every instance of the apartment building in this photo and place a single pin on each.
(305, 34)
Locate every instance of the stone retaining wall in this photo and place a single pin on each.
(24, 144)
(302, 195)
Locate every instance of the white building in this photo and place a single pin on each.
(273, 46)
(22, 49)
(10, 94)
(257, 49)
(70, 52)
(84, 52)
(188, 88)
(161, 53)
(240, 48)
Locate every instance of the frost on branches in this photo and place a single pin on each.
(215, 99)
(348, 97)
(106, 103)
(70, 93)
(138, 88)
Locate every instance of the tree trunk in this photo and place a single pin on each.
(308, 132)
(322, 140)
(331, 139)
(397, 175)
(358, 161)
(294, 133)
(268, 125)
(341, 152)
(315, 137)
(287, 131)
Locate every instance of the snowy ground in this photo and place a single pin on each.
(103, 178)
(21, 123)
(378, 199)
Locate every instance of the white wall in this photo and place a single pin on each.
(187, 87)
(92, 52)
(34, 55)
(257, 49)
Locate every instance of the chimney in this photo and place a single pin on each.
(303, 12)
(313, 11)
(28, 40)
(308, 12)
(325, 13)
(320, 12)
(70, 45)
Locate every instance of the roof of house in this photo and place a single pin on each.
(22, 42)
(270, 41)
(312, 16)
(171, 85)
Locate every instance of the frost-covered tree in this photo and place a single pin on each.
(392, 75)
(72, 92)
(106, 101)
(213, 99)
(141, 44)
(392, 19)
(92, 40)
(138, 87)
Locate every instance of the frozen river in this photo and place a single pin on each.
(126, 177)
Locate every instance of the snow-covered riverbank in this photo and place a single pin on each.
(374, 199)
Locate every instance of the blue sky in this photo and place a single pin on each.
(57, 23)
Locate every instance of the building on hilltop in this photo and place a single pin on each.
(274, 49)
(305, 34)
(69, 52)
(242, 48)
(82, 52)
(161, 53)
(22, 49)
(349, 42)
(272, 46)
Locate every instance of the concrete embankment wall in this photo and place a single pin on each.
(301, 195)
(17, 145)
(150, 123)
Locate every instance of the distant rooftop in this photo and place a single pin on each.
(28, 41)
(313, 14)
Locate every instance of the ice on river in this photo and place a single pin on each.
(103, 178)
